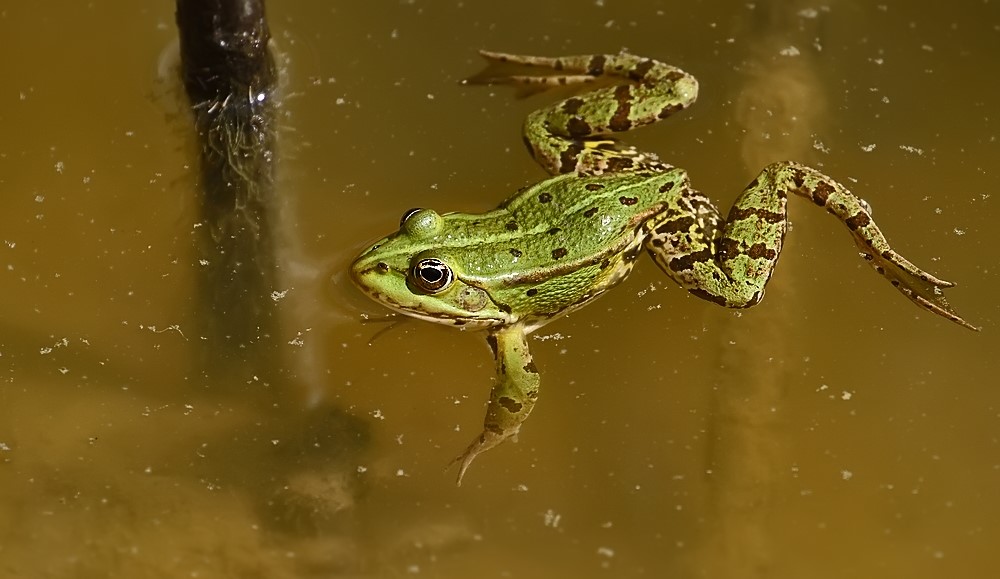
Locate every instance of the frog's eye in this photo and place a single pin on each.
(431, 275)
(409, 213)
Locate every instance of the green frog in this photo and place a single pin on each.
(558, 245)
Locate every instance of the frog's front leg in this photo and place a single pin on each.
(731, 267)
(513, 395)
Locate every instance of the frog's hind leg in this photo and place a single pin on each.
(570, 135)
(733, 269)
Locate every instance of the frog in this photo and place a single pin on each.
(555, 246)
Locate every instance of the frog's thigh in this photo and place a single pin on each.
(733, 269)
(513, 395)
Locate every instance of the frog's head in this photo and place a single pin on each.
(413, 272)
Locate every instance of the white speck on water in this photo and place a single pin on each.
(845, 395)
(606, 552)
(551, 518)
(912, 149)
(377, 413)
(789, 51)
(868, 148)
(846, 475)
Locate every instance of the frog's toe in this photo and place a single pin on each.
(485, 441)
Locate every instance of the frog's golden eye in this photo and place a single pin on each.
(409, 213)
(431, 275)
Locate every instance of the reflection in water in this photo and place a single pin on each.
(230, 78)
(779, 107)
(231, 81)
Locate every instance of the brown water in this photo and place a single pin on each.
(833, 431)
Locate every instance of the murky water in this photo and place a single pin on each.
(832, 431)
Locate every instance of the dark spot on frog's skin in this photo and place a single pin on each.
(512, 406)
(880, 269)
(382, 267)
(460, 322)
(707, 296)
(867, 256)
(572, 106)
(590, 212)
(511, 226)
(859, 220)
(594, 187)
(683, 223)
(531, 369)
(628, 201)
(641, 70)
(531, 293)
(738, 214)
(504, 308)
(666, 186)
(569, 157)
(761, 251)
(620, 120)
(669, 110)
(596, 65)
(577, 127)
(799, 178)
(753, 183)
(559, 253)
(894, 282)
(492, 341)
(726, 248)
(821, 193)
(674, 75)
(605, 264)
(619, 164)
(553, 231)
(558, 64)
(686, 262)
(545, 197)
(516, 252)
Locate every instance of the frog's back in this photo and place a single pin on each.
(571, 219)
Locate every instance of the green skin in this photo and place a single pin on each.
(555, 246)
